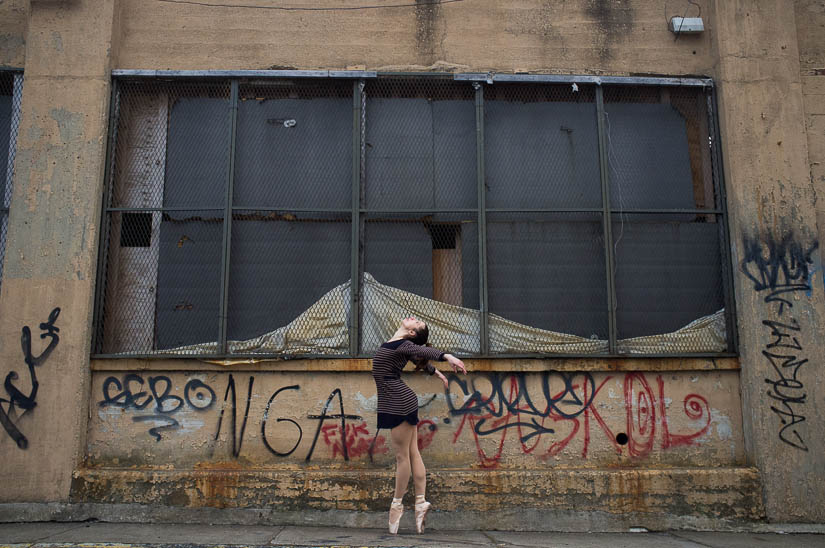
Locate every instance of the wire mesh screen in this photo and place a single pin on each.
(283, 264)
(164, 221)
(546, 277)
(669, 283)
(426, 266)
(300, 216)
(420, 146)
(294, 145)
(10, 93)
(541, 147)
(666, 243)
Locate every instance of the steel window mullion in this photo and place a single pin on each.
(227, 219)
(724, 244)
(356, 232)
(482, 221)
(608, 229)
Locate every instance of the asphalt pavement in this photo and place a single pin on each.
(153, 535)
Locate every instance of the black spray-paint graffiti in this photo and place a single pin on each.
(508, 394)
(130, 395)
(17, 399)
(237, 437)
(779, 268)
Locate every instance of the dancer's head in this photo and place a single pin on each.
(415, 330)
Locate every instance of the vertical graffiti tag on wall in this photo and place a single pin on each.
(17, 399)
(779, 269)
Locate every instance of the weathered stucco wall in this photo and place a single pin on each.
(778, 281)
(810, 25)
(629, 36)
(48, 276)
(645, 446)
(13, 19)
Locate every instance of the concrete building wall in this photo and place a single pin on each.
(178, 433)
(13, 19)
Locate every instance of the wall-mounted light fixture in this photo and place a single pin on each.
(686, 25)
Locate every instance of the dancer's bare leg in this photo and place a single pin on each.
(419, 472)
(401, 436)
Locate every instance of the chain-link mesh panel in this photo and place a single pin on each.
(10, 93)
(162, 288)
(294, 144)
(161, 279)
(282, 266)
(427, 267)
(420, 145)
(541, 146)
(546, 271)
(668, 275)
(658, 148)
(172, 145)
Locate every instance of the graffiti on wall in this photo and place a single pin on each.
(781, 268)
(539, 413)
(17, 399)
(133, 392)
(508, 406)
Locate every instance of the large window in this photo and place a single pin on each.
(298, 216)
(11, 84)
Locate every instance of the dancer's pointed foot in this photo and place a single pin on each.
(396, 511)
(421, 509)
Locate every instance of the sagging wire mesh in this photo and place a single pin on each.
(667, 227)
(334, 192)
(11, 84)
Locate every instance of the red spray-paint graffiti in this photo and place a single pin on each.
(510, 406)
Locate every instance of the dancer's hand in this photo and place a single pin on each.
(457, 364)
(441, 376)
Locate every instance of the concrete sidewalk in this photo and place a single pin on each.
(92, 535)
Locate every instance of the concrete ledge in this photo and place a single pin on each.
(552, 500)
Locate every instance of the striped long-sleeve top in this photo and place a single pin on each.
(395, 397)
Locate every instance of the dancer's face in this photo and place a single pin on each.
(412, 325)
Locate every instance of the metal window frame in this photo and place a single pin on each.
(357, 211)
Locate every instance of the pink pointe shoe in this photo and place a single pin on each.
(421, 509)
(396, 511)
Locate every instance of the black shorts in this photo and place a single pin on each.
(390, 421)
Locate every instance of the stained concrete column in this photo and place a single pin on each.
(52, 245)
(777, 260)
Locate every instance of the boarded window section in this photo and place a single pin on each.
(420, 171)
(163, 266)
(375, 185)
(10, 91)
(294, 158)
(668, 264)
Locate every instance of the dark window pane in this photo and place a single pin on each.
(294, 146)
(282, 263)
(658, 149)
(137, 230)
(420, 146)
(197, 158)
(189, 277)
(668, 274)
(547, 271)
(541, 147)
